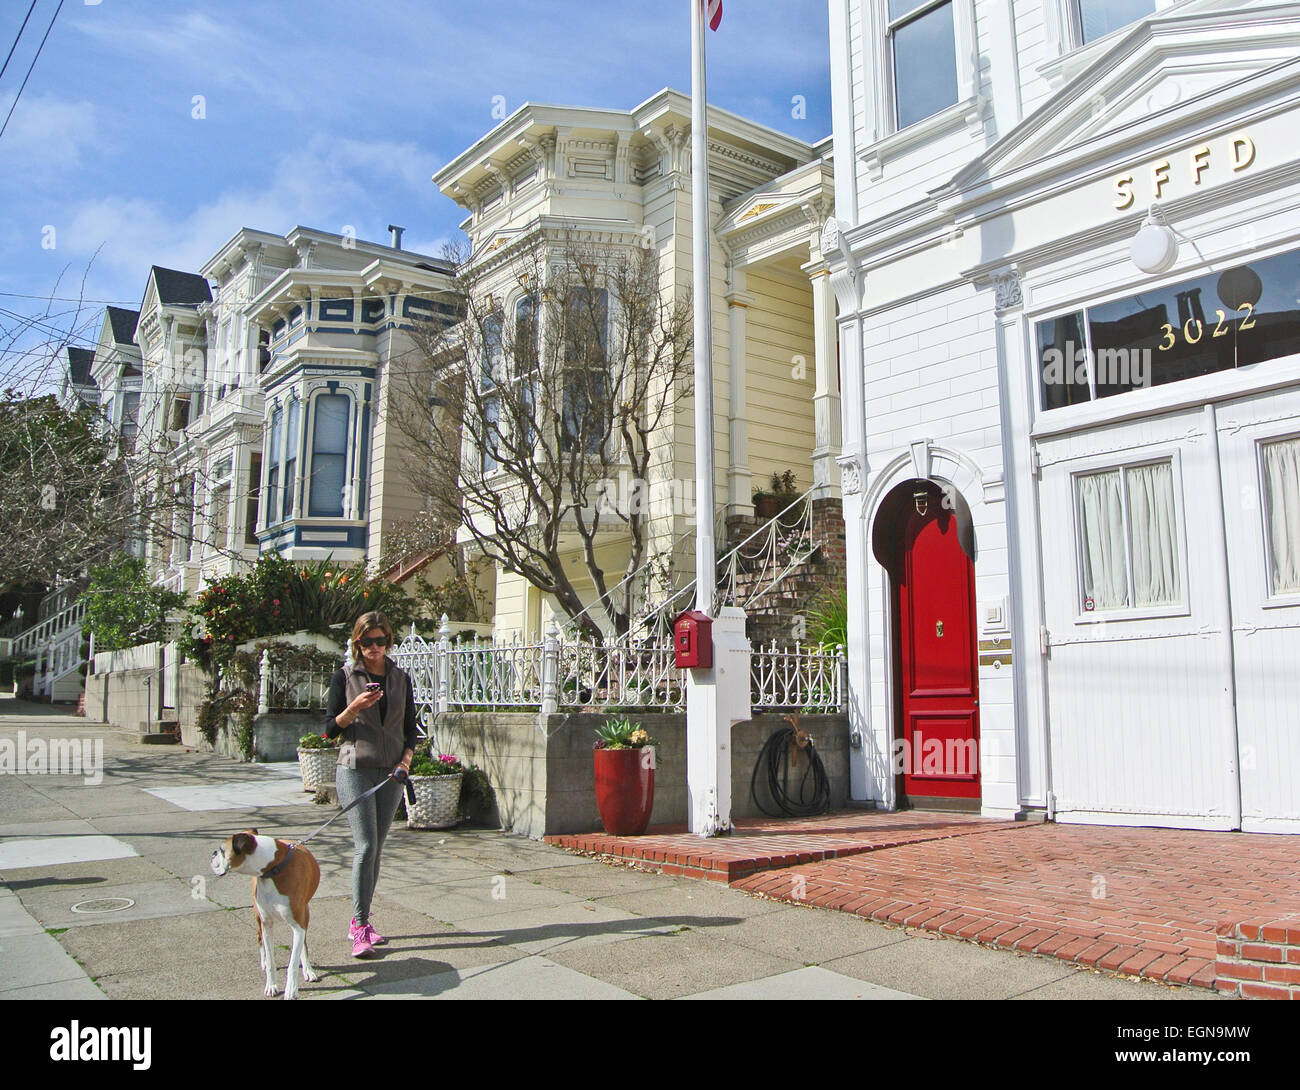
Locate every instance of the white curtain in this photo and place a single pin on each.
(1153, 535)
(1101, 514)
(1282, 486)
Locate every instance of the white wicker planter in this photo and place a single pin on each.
(317, 766)
(437, 802)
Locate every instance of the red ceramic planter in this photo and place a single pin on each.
(625, 789)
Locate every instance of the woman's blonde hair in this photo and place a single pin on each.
(364, 624)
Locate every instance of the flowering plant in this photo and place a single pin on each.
(317, 741)
(622, 734)
(444, 764)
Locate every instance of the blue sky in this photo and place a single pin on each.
(324, 113)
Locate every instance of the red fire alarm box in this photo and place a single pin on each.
(693, 640)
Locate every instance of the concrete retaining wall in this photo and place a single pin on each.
(544, 779)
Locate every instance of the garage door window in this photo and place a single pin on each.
(1128, 530)
(1281, 463)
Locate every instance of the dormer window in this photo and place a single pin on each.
(923, 57)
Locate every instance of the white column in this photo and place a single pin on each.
(826, 396)
(739, 477)
(717, 698)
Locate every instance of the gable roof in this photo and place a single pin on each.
(79, 360)
(124, 323)
(180, 288)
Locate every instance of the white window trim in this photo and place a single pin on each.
(1107, 463)
(1064, 33)
(884, 139)
(1271, 599)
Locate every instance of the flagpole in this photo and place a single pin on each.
(705, 557)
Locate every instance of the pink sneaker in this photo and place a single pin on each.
(376, 939)
(361, 944)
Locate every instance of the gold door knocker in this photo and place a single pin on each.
(938, 628)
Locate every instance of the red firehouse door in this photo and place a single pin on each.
(938, 673)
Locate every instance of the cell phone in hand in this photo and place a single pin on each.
(373, 687)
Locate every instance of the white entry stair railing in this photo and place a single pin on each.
(774, 550)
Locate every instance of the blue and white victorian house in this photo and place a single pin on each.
(337, 324)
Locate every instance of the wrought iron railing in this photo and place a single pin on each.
(809, 679)
(558, 674)
(290, 688)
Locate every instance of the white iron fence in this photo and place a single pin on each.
(292, 688)
(560, 674)
(809, 679)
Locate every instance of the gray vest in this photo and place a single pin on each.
(368, 742)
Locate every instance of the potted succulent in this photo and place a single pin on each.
(782, 491)
(317, 758)
(624, 760)
(436, 781)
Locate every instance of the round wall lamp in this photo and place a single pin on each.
(1154, 248)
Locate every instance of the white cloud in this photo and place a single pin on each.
(49, 135)
(327, 183)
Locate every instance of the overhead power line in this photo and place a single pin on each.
(20, 34)
(30, 67)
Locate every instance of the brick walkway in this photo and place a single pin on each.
(1139, 901)
(762, 844)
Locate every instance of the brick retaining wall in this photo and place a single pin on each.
(1259, 958)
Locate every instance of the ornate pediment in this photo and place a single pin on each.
(1163, 72)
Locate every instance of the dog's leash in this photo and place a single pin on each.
(399, 774)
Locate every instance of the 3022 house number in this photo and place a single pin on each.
(1194, 329)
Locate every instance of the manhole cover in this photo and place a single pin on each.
(104, 904)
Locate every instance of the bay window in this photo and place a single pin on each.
(585, 414)
(272, 506)
(329, 451)
(291, 443)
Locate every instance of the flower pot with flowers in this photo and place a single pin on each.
(317, 758)
(624, 760)
(436, 780)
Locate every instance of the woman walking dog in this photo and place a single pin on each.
(372, 706)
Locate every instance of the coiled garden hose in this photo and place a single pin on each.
(812, 792)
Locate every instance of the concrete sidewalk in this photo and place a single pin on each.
(1160, 903)
(107, 892)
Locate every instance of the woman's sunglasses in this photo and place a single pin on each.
(373, 641)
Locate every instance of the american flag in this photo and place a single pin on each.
(715, 14)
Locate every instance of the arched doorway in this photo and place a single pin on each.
(923, 537)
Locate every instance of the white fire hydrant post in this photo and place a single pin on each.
(716, 700)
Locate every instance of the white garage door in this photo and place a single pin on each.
(1156, 715)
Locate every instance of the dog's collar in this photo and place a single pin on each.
(273, 871)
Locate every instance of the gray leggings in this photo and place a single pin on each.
(370, 821)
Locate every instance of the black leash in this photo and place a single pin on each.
(399, 774)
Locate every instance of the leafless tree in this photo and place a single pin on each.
(72, 490)
(536, 430)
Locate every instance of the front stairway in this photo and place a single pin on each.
(775, 569)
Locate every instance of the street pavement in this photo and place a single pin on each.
(105, 892)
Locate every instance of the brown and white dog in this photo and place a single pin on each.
(283, 895)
